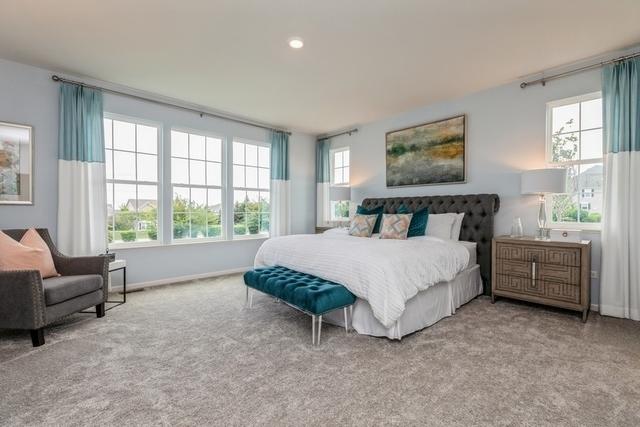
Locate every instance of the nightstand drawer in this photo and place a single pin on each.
(562, 292)
(511, 283)
(514, 268)
(543, 272)
(520, 285)
(546, 254)
(559, 274)
(551, 291)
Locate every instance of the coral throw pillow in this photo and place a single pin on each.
(31, 253)
(395, 226)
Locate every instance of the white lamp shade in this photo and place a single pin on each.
(339, 193)
(541, 181)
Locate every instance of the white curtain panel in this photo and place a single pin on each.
(620, 284)
(82, 206)
(280, 224)
(620, 287)
(323, 204)
(280, 220)
(82, 202)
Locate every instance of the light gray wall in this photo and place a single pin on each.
(505, 135)
(27, 95)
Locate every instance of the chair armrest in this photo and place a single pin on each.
(22, 303)
(75, 266)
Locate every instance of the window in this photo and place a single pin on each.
(196, 181)
(340, 167)
(251, 186)
(131, 163)
(340, 177)
(574, 141)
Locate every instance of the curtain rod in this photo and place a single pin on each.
(346, 132)
(56, 78)
(543, 80)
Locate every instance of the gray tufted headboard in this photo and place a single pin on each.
(477, 225)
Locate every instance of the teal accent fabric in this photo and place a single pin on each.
(81, 128)
(279, 155)
(309, 293)
(323, 167)
(418, 226)
(621, 106)
(375, 211)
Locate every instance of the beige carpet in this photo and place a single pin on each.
(191, 354)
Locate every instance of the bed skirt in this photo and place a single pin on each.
(425, 309)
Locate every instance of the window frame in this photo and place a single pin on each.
(159, 184)
(222, 187)
(232, 188)
(332, 157)
(585, 226)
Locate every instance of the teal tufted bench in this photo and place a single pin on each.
(310, 294)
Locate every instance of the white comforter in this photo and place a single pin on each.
(386, 273)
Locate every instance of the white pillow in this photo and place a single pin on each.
(457, 226)
(440, 225)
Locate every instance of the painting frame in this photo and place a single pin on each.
(16, 164)
(461, 157)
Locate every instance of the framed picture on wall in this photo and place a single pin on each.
(16, 164)
(427, 154)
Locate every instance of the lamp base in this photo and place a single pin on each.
(543, 234)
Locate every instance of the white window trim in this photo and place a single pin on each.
(222, 188)
(583, 226)
(159, 184)
(332, 153)
(232, 188)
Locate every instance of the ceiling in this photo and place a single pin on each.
(362, 60)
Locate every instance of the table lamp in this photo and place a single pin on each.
(542, 182)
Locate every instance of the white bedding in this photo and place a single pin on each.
(385, 273)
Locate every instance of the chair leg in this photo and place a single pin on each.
(346, 321)
(100, 310)
(37, 337)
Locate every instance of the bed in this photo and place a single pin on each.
(402, 286)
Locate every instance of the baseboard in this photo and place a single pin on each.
(179, 279)
(595, 307)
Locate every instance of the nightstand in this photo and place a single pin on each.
(546, 272)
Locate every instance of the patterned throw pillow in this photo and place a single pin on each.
(362, 225)
(395, 226)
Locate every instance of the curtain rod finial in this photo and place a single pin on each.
(55, 78)
(523, 85)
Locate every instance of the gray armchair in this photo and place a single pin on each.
(29, 302)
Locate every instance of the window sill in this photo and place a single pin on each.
(184, 242)
(582, 227)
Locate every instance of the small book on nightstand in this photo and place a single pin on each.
(554, 273)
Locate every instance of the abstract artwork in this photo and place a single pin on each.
(15, 164)
(431, 153)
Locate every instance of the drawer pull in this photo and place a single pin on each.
(533, 271)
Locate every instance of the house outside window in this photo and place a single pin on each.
(574, 141)
(197, 185)
(251, 188)
(340, 176)
(131, 164)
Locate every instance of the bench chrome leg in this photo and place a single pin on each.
(313, 330)
(319, 327)
(249, 298)
(246, 297)
(346, 320)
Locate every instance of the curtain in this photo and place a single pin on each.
(323, 180)
(280, 224)
(620, 284)
(82, 207)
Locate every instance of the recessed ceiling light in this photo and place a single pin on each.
(296, 43)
